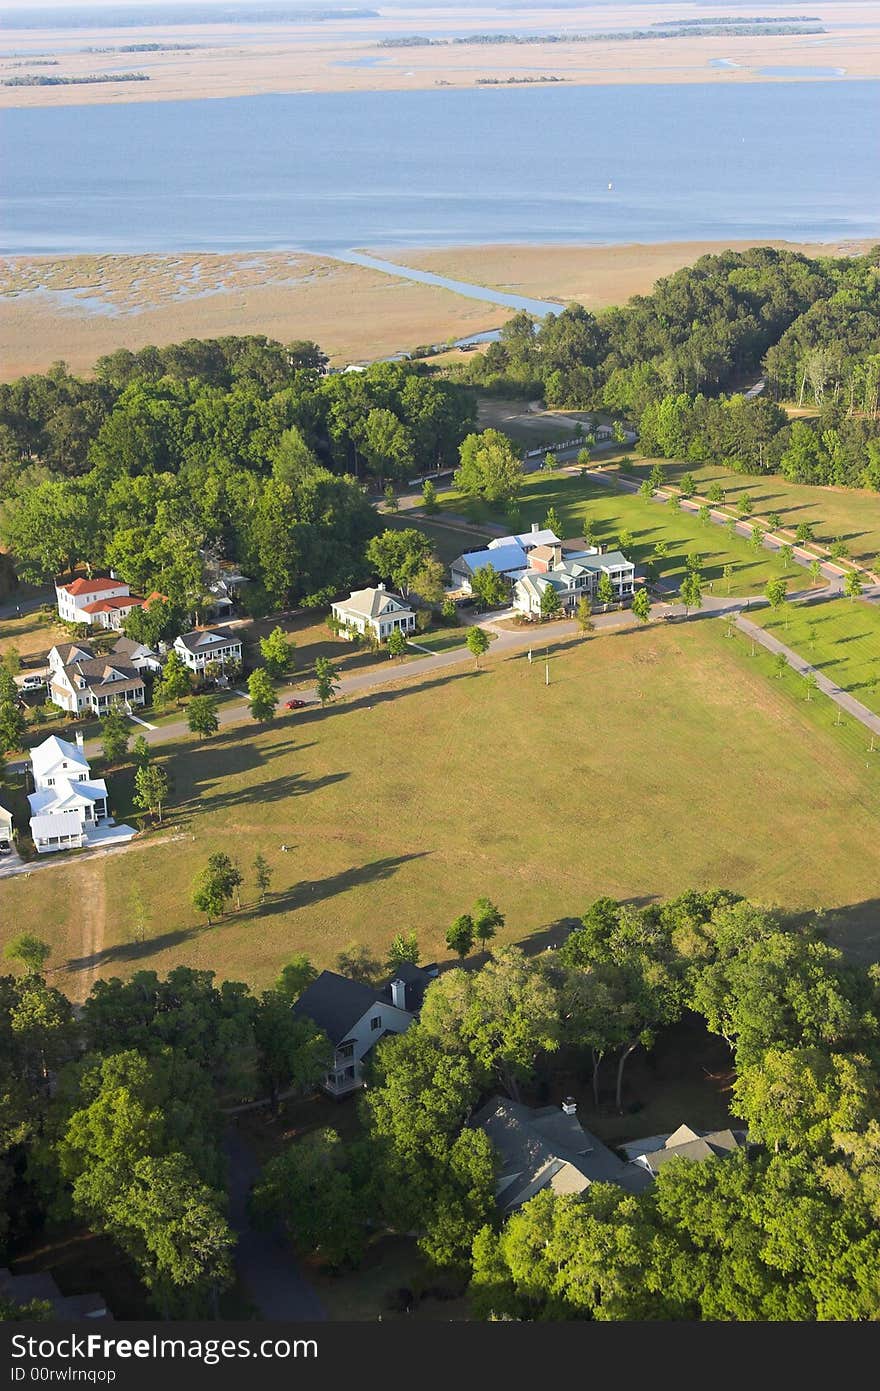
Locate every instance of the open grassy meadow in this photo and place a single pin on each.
(582, 501)
(853, 514)
(840, 638)
(654, 761)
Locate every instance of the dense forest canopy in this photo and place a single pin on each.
(238, 443)
(677, 362)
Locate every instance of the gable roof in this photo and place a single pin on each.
(53, 751)
(335, 1003)
(127, 647)
(684, 1143)
(103, 674)
(501, 557)
(82, 586)
(201, 638)
(527, 539)
(546, 1148)
(128, 601)
(372, 603)
(72, 651)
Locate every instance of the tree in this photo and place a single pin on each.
(641, 605)
(490, 587)
(800, 1098)
(262, 876)
(150, 789)
(756, 539)
(326, 684)
(657, 476)
(489, 467)
(391, 503)
(548, 463)
(261, 694)
(396, 643)
(487, 918)
(691, 592)
(786, 555)
(356, 962)
(811, 683)
(625, 541)
(174, 683)
(295, 977)
(308, 1189)
(202, 716)
(429, 582)
(210, 894)
(277, 651)
(776, 592)
(551, 606)
(584, 616)
(688, 485)
(404, 947)
(774, 520)
(460, 936)
(804, 532)
(477, 642)
(292, 1052)
(852, 585)
(12, 727)
(114, 736)
(398, 554)
(141, 750)
(705, 514)
(727, 575)
(815, 571)
(30, 951)
(780, 662)
(552, 521)
(429, 496)
(745, 506)
(605, 590)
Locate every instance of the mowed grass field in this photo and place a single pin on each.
(654, 761)
(853, 514)
(840, 638)
(580, 501)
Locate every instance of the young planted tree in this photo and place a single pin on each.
(490, 587)
(815, 571)
(691, 592)
(786, 555)
(115, 735)
(202, 716)
(228, 876)
(151, 789)
(174, 683)
(852, 585)
(460, 935)
(262, 696)
(811, 685)
(404, 947)
(429, 496)
(141, 751)
(641, 605)
(277, 651)
(396, 643)
(780, 664)
(584, 616)
(391, 503)
(477, 642)
(487, 918)
(756, 540)
(605, 591)
(326, 684)
(551, 606)
(776, 592)
(553, 522)
(262, 876)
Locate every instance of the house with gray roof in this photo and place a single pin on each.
(80, 680)
(378, 610)
(548, 1148)
(573, 575)
(355, 1016)
(653, 1152)
(204, 646)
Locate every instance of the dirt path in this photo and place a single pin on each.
(92, 907)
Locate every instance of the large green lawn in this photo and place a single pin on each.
(853, 514)
(655, 760)
(840, 638)
(579, 500)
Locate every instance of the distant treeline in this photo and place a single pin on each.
(707, 29)
(146, 48)
(735, 19)
(675, 363)
(34, 79)
(139, 16)
(514, 81)
(34, 63)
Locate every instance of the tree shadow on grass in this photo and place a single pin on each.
(854, 928)
(276, 790)
(310, 891)
(133, 951)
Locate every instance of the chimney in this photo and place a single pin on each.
(381, 586)
(535, 528)
(398, 994)
(569, 1105)
(79, 739)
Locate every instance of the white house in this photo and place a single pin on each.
(378, 609)
(69, 807)
(507, 555)
(355, 1017)
(202, 647)
(104, 603)
(137, 655)
(79, 680)
(6, 829)
(573, 575)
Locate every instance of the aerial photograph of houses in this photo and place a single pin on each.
(439, 678)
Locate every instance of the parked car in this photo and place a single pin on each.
(294, 704)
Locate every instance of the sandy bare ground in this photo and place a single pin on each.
(77, 308)
(595, 276)
(237, 60)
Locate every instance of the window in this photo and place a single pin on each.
(345, 1050)
(376, 1022)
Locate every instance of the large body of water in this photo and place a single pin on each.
(331, 171)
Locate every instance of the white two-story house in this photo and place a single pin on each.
(202, 647)
(355, 1017)
(80, 681)
(104, 603)
(380, 610)
(69, 808)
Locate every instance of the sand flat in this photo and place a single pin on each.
(241, 59)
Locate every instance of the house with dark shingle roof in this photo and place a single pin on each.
(203, 646)
(79, 680)
(355, 1016)
(548, 1148)
(653, 1152)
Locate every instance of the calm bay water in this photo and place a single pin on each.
(331, 171)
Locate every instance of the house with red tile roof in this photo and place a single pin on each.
(101, 603)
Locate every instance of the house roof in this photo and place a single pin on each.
(201, 638)
(82, 586)
(416, 980)
(335, 1003)
(72, 651)
(541, 553)
(53, 751)
(67, 793)
(128, 601)
(502, 558)
(527, 539)
(102, 675)
(684, 1143)
(546, 1148)
(127, 647)
(5, 815)
(372, 603)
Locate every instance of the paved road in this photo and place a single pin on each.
(263, 1259)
